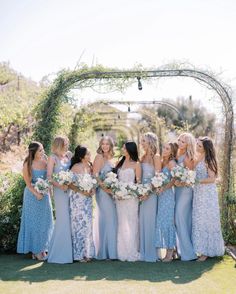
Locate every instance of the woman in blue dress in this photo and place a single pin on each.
(106, 216)
(165, 224)
(81, 209)
(207, 235)
(36, 220)
(150, 163)
(184, 199)
(60, 250)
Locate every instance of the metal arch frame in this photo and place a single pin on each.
(169, 105)
(198, 75)
(131, 128)
(143, 113)
(120, 127)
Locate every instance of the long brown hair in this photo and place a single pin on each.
(173, 149)
(32, 149)
(210, 154)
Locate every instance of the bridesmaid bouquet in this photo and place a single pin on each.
(85, 182)
(110, 181)
(160, 180)
(124, 191)
(183, 174)
(42, 186)
(144, 189)
(63, 177)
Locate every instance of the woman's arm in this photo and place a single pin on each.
(50, 167)
(97, 164)
(189, 163)
(211, 178)
(157, 163)
(29, 185)
(138, 172)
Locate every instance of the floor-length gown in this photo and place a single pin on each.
(127, 214)
(60, 250)
(207, 235)
(36, 220)
(81, 212)
(183, 219)
(147, 219)
(105, 233)
(165, 224)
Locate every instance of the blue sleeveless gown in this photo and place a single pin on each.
(147, 219)
(106, 233)
(183, 220)
(36, 220)
(165, 226)
(207, 235)
(60, 250)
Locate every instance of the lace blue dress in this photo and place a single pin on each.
(147, 219)
(183, 220)
(81, 212)
(207, 235)
(36, 220)
(106, 222)
(165, 226)
(60, 250)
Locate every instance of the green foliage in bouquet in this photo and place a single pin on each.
(11, 198)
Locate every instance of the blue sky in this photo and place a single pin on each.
(43, 36)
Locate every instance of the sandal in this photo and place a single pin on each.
(202, 258)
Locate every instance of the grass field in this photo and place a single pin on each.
(19, 274)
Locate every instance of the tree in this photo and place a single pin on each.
(195, 118)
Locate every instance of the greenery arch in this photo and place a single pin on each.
(48, 110)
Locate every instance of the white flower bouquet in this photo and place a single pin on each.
(63, 177)
(184, 175)
(85, 182)
(124, 191)
(160, 180)
(144, 189)
(42, 186)
(110, 181)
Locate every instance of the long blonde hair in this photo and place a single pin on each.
(191, 145)
(111, 143)
(152, 142)
(59, 143)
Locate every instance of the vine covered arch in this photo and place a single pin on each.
(48, 110)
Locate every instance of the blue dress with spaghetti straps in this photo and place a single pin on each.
(60, 250)
(36, 220)
(183, 219)
(106, 222)
(147, 219)
(165, 226)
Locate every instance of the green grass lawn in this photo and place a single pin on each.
(19, 274)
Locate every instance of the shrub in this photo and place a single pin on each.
(11, 198)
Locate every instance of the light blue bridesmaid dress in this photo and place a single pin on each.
(36, 220)
(147, 219)
(165, 226)
(183, 219)
(60, 250)
(106, 233)
(207, 235)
